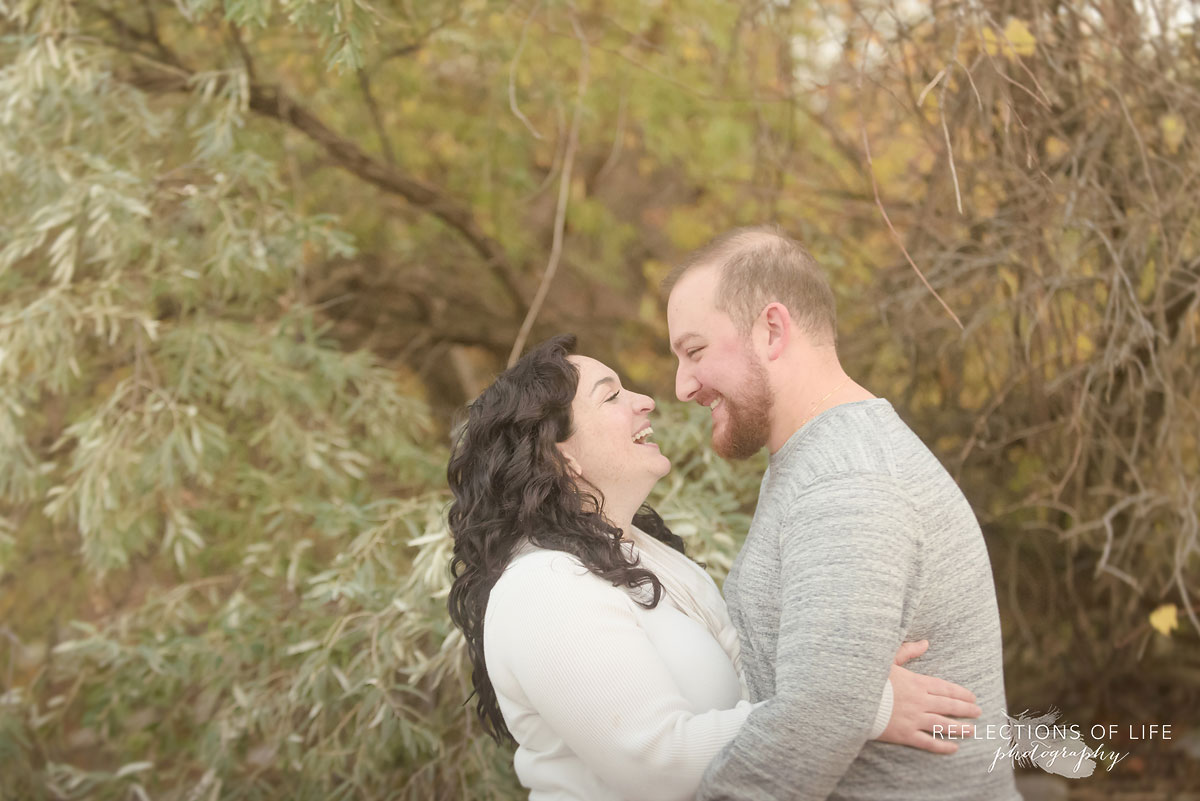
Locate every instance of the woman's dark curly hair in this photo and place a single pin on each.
(510, 483)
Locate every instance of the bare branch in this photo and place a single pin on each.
(385, 143)
(564, 194)
(512, 74)
(274, 103)
(896, 234)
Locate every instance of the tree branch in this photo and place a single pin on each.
(564, 194)
(385, 143)
(274, 103)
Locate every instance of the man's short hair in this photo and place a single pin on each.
(761, 265)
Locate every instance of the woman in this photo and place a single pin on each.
(596, 645)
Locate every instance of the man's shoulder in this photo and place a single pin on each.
(865, 442)
(835, 485)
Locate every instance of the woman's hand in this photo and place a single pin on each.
(921, 702)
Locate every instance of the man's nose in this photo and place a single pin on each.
(686, 387)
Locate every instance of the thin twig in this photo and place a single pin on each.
(385, 143)
(946, 128)
(564, 194)
(971, 80)
(875, 185)
(236, 34)
(930, 86)
(512, 74)
(618, 140)
(896, 234)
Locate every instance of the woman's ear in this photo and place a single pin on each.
(572, 462)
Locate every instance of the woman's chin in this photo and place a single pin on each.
(665, 466)
(653, 476)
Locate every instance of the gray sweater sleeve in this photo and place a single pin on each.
(848, 557)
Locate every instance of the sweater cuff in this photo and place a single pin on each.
(885, 712)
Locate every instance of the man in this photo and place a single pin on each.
(860, 540)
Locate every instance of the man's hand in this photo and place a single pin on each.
(921, 702)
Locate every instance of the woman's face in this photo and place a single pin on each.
(609, 446)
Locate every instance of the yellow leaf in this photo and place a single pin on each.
(1173, 128)
(1084, 347)
(692, 53)
(1165, 619)
(983, 200)
(1147, 283)
(1019, 38)
(1055, 148)
(1011, 279)
(692, 48)
(990, 45)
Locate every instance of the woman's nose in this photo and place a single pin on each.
(645, 403)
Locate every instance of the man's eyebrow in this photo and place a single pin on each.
(598, 384)
(681, 340)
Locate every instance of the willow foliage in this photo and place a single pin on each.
(172, 410)
(174, 413)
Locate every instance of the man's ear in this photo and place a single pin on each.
(777, 322)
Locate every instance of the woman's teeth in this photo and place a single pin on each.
(643, 435)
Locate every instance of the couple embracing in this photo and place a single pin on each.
(612, 659)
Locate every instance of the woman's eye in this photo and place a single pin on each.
(613, 396)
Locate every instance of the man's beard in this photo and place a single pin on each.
(747, 418)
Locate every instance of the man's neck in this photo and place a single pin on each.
(798, 403)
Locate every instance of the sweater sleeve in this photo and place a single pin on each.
(848, 555)
(572, 644)
(883, 715)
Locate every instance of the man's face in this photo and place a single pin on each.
(718, 368)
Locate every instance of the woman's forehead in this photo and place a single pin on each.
(590, 371)
(590, 367)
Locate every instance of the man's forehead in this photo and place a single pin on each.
(694, 297)
(693, 300)
(700, 280)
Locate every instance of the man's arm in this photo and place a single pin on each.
(848, 556)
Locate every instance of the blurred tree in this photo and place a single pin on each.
(1058, 218)
(255, 255)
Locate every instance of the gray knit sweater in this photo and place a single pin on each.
(861, 540)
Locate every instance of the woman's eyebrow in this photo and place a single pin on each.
(602, 381)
